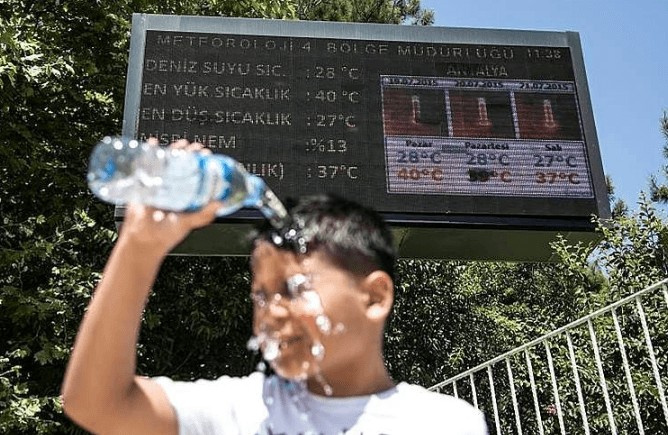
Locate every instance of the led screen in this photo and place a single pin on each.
(415, 127)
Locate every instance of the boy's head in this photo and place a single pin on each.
(346, 253)
(354, 237)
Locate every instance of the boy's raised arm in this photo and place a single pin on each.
(101, 391)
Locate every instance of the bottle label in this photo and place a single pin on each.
(197, 202)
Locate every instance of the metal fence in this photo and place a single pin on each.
(603, 373)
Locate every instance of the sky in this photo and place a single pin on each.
(625, 49)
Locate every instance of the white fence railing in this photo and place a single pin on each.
(603, 373)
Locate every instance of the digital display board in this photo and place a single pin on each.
(430, 126)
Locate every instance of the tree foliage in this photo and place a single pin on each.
(658, 189)
(451, 316)
(365, 11)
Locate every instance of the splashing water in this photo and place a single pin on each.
(323, 383)
(305, 306)
(318, 351)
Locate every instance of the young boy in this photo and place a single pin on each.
(322, 291)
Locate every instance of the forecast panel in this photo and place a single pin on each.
(417, 122)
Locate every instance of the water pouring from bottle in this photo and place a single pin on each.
(123, 170)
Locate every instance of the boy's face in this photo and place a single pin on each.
(293, 323)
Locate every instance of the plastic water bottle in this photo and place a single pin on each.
(124, 170)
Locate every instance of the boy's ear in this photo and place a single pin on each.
(380, 291)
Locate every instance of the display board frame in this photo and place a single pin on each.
(522, 226)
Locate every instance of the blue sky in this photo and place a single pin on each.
(625, 45)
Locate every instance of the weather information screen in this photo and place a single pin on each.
(479, 136)
(411, 125)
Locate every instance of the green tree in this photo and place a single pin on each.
(365, 11)
(452, 316)
(658, 190)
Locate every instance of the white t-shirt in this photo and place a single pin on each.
(270, 405)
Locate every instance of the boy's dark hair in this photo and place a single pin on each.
(354, 237)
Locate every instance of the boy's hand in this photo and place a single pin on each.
(157, 231)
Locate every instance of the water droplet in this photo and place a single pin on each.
(324, 384)
(318, 351)
(253, 344)
(277, 240)
(271, 349)
(158, 215)
(323, 323)
(338, 329)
